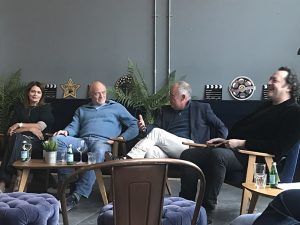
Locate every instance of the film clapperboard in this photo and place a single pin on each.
(213, 92)
(265, 92)
(50, 91)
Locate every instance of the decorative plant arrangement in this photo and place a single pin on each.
(11, 92)
(132, 91)
(50, 151)
(50, 146)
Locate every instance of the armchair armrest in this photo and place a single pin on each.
(118, 139)
(193, 145)
(252, 159)
(262, 154)
(116, 144)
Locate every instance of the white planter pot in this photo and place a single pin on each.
(50, 157)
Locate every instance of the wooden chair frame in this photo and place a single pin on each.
(252, 155)
(136, 162)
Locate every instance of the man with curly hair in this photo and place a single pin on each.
(274, 128)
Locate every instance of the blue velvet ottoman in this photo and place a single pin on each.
(19, 208)
(176, 211)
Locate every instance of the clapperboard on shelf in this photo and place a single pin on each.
(50, 91)
(265, 92)
(213, 92)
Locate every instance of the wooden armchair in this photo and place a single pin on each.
(138, 194)
(237, 178)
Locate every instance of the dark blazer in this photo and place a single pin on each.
(204, 123)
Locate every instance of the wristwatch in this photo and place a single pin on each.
(20, 125)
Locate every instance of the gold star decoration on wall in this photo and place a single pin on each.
(70, 89)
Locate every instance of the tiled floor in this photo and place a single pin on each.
(228, 206)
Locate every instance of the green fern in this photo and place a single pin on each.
(11, 92)
(137, 94)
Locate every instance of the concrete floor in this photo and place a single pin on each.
(227, 209)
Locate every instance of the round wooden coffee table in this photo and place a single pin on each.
(267, 192)
(26, 166)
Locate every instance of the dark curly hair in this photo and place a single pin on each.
(291, 80)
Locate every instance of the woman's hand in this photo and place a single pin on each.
(38, 133)
(12, 129)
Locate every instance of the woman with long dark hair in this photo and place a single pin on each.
(31, 119)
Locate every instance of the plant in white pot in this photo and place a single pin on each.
(50, 151)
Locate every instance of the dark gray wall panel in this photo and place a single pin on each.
(82, 39)
(212, 41)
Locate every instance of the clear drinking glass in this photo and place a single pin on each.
(63, 157)
(81, 149)
(260, 175)
(91, 158)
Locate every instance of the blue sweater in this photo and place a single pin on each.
(103, 122)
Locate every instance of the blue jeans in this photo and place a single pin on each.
(85, 182)
(245, 219)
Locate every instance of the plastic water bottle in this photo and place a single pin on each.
(70, 155)
(24, 152)
(273, 176)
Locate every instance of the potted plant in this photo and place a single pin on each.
(50, 151)
(132, 91)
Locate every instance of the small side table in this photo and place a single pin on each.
(40, 164)
(267, 192)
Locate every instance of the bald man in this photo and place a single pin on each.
(95, 123)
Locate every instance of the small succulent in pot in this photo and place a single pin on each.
(50, 146)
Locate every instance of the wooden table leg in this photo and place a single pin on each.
(101, 186)
(247, 195)
(246, 198)
(24, 180)
(253, 202)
